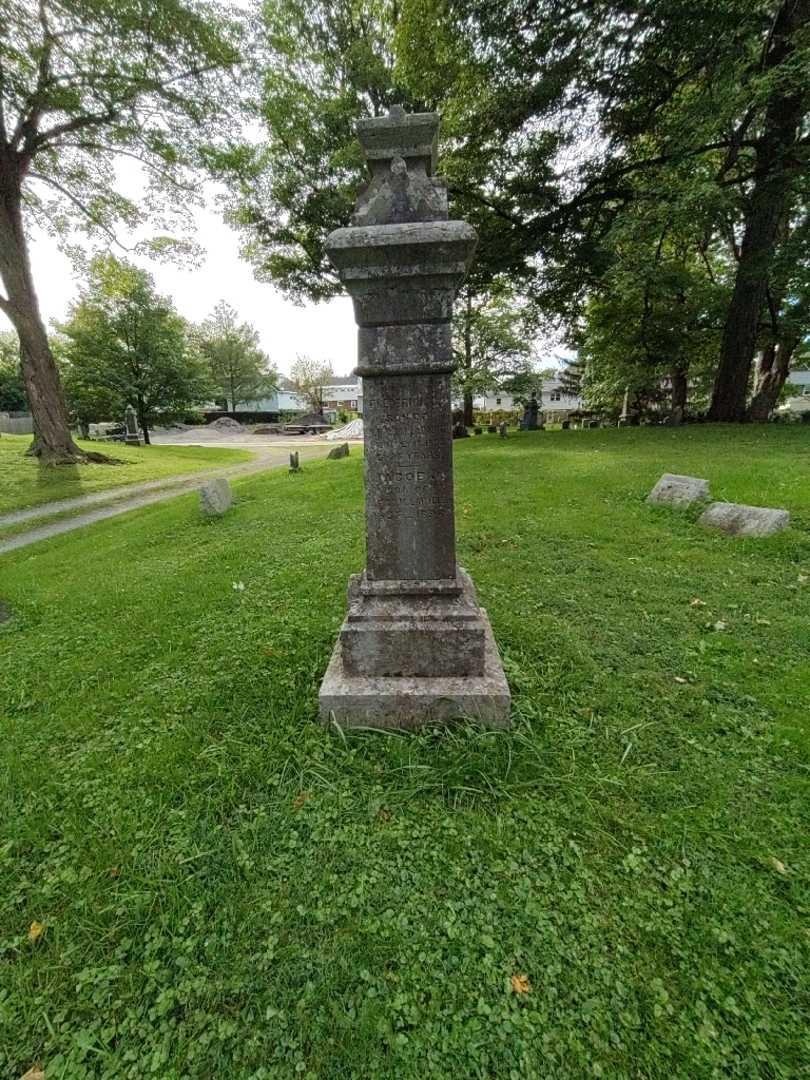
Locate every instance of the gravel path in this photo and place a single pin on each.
(123, 499)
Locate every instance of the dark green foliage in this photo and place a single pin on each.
(239, 371)
(230, 891)
(12, 388)
(126, 345)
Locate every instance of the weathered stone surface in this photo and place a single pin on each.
(674, 490)
(739, 520)
(410, 702)
(215, 497)
(339, 451)
(419, 629)
(131, 437)
(415, 646)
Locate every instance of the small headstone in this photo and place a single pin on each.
(565, 425)
(674, 490)
(460, 431)
(739, 520)
(529, 422)
(294, 466)
(215, 497)
(338, 451)
(502, 431)
(131, 438)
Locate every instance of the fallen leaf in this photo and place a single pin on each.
(778, 866)
(680, 679)
(763, 622)
(114, 871)
(300, 799)
(521, 984)
(35, 932)
(34, 1073)
(719, 625)
(697, 602)
(383, 814)
(803, 579)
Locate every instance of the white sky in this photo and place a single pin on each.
(325, 331)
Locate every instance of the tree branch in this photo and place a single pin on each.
(78, 123)
(94, 218)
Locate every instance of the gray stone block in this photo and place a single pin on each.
(358, 701)
(739, 520)
(674, 490)
(215, 497)
(339, 451)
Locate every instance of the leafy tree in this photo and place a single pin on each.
(584, 109)
(492, 341)
(308, 378)
(325, 64)
(127, 345)
(12, 389)
(83, 83)
(571, 376)
(239, 370)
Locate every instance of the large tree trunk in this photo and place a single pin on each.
(771, 377)
(52, 439)
(468, 408)
(775, 168)
(680, 390)
(467, 396)
(142, 420)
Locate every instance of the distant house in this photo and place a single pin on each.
(337, 396)
(800, 402)
(554, 402)
(346, 396)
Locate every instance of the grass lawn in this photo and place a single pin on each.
(228, 890)
(24, 482)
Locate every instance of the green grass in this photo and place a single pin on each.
(25, 482)
(230, 891)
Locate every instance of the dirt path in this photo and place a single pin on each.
(121, 500)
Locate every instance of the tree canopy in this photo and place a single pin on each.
(238, 369)
(83, 85)
(126, 345)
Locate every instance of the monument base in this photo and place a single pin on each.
(355, 700)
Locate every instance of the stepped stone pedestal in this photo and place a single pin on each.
(415, 647)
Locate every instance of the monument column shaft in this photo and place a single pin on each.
(410, 529)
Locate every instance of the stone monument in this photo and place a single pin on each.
(530, 413)
(132, 437)
(415, 647)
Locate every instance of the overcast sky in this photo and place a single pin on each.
(324, 331)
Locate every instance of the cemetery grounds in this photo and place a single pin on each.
(200, 881)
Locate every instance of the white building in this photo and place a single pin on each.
(552, 399)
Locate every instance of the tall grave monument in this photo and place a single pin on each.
(415, 646)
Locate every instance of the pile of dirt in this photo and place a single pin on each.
(352, 430)
(226, 423)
